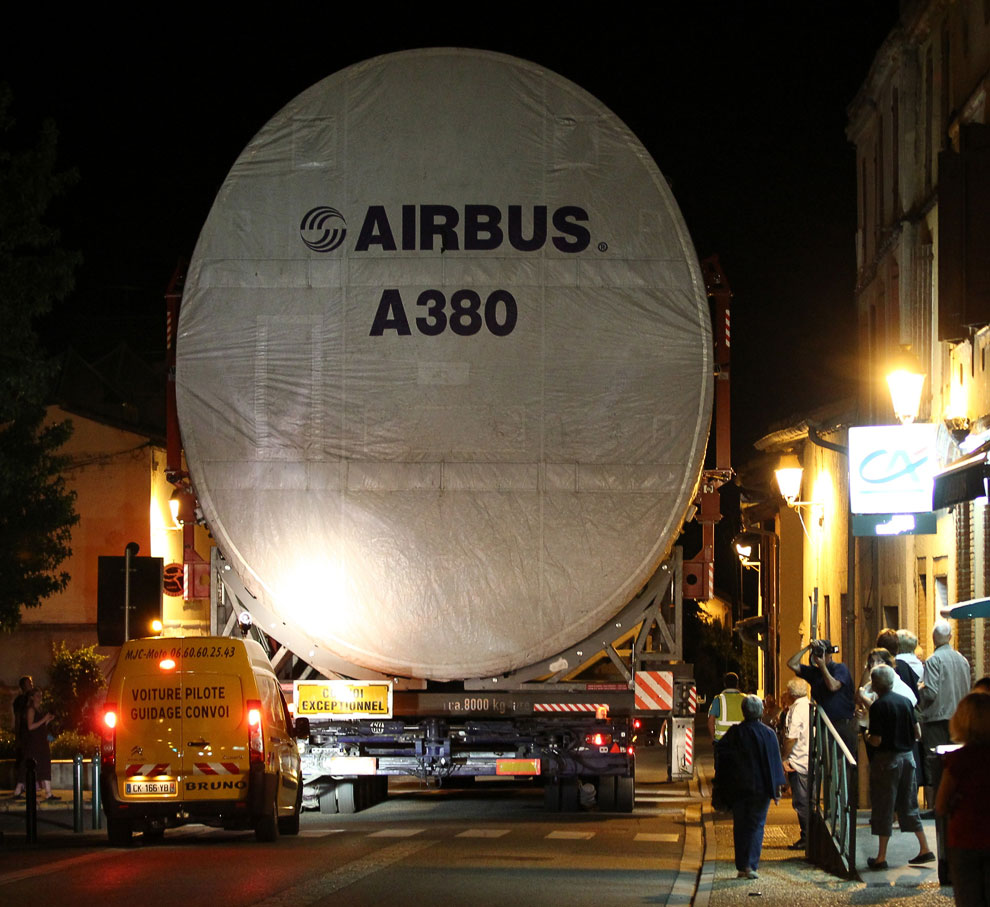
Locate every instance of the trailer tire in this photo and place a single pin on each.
(347, 799)
(625, 794)
(606, 793)
(551, 796)
(328, 801)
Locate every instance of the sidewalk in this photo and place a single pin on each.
(55, 822)
(787, 880)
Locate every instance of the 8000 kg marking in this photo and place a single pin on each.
(465, 317)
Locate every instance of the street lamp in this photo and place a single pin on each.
(789, 473)
(906, 381)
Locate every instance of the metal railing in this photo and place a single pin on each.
(833, 799)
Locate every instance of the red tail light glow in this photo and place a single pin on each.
(108, 744)
(256, 742)
(598, 739)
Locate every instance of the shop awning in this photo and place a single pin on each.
(962, 480)
(974, 608)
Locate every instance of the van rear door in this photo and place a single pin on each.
(149, 731)
(215, 760)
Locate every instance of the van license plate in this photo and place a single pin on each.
(166, 788)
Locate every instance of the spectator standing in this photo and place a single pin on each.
(907, 644)
(797, 745)
(888, 639)
(831, 687)
(750, 767)
(726, 708)
(893, 785)
(37, 746)
(19, 707)
(946, 681)
(964, 797)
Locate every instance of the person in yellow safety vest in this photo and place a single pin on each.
(726, 708)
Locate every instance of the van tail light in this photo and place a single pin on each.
(108, 729)
(256, 742)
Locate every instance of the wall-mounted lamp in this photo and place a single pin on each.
(906, 380)
(789, 473)
(181, 505)
(747, 548)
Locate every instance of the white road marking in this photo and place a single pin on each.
(571, 835)
(660, 837)
(484, 833)
(396, 833)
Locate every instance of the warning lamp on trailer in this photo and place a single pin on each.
(256, 743)
(598, 739)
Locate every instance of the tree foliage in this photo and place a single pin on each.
(75, 681)
(36, 508)
(714, 650)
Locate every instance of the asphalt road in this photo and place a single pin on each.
(493, 844)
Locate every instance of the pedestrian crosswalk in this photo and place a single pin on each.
(442, 831)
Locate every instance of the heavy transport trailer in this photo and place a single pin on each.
(409, 492)
(577, 738)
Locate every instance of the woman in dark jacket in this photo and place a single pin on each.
(749, 775)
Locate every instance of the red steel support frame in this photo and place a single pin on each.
(699, 571)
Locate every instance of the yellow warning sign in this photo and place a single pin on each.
(343, 698)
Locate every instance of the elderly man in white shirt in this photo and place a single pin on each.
(797, 744)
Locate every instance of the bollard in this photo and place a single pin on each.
(97, 818)
(31, 800)
(77, 793)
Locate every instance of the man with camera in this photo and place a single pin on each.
(832, 688)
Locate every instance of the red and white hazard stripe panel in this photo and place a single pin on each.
(216, 768)
(153, 769)
(654, 690)
(688, 746)
(568, 706)
(692, 700)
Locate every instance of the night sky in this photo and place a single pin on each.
(743, 106)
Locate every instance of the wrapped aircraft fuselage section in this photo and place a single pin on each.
(444, 366)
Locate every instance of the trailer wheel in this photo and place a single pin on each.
(606, 793)
(380, 787)
(328, 801)
(347, 801)
(551, 796)
(625, 794)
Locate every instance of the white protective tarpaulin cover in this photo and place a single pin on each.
(444, 366)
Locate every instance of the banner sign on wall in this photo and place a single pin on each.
(892, 468)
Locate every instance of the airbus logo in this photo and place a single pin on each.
(473, 228)
(319, 229)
